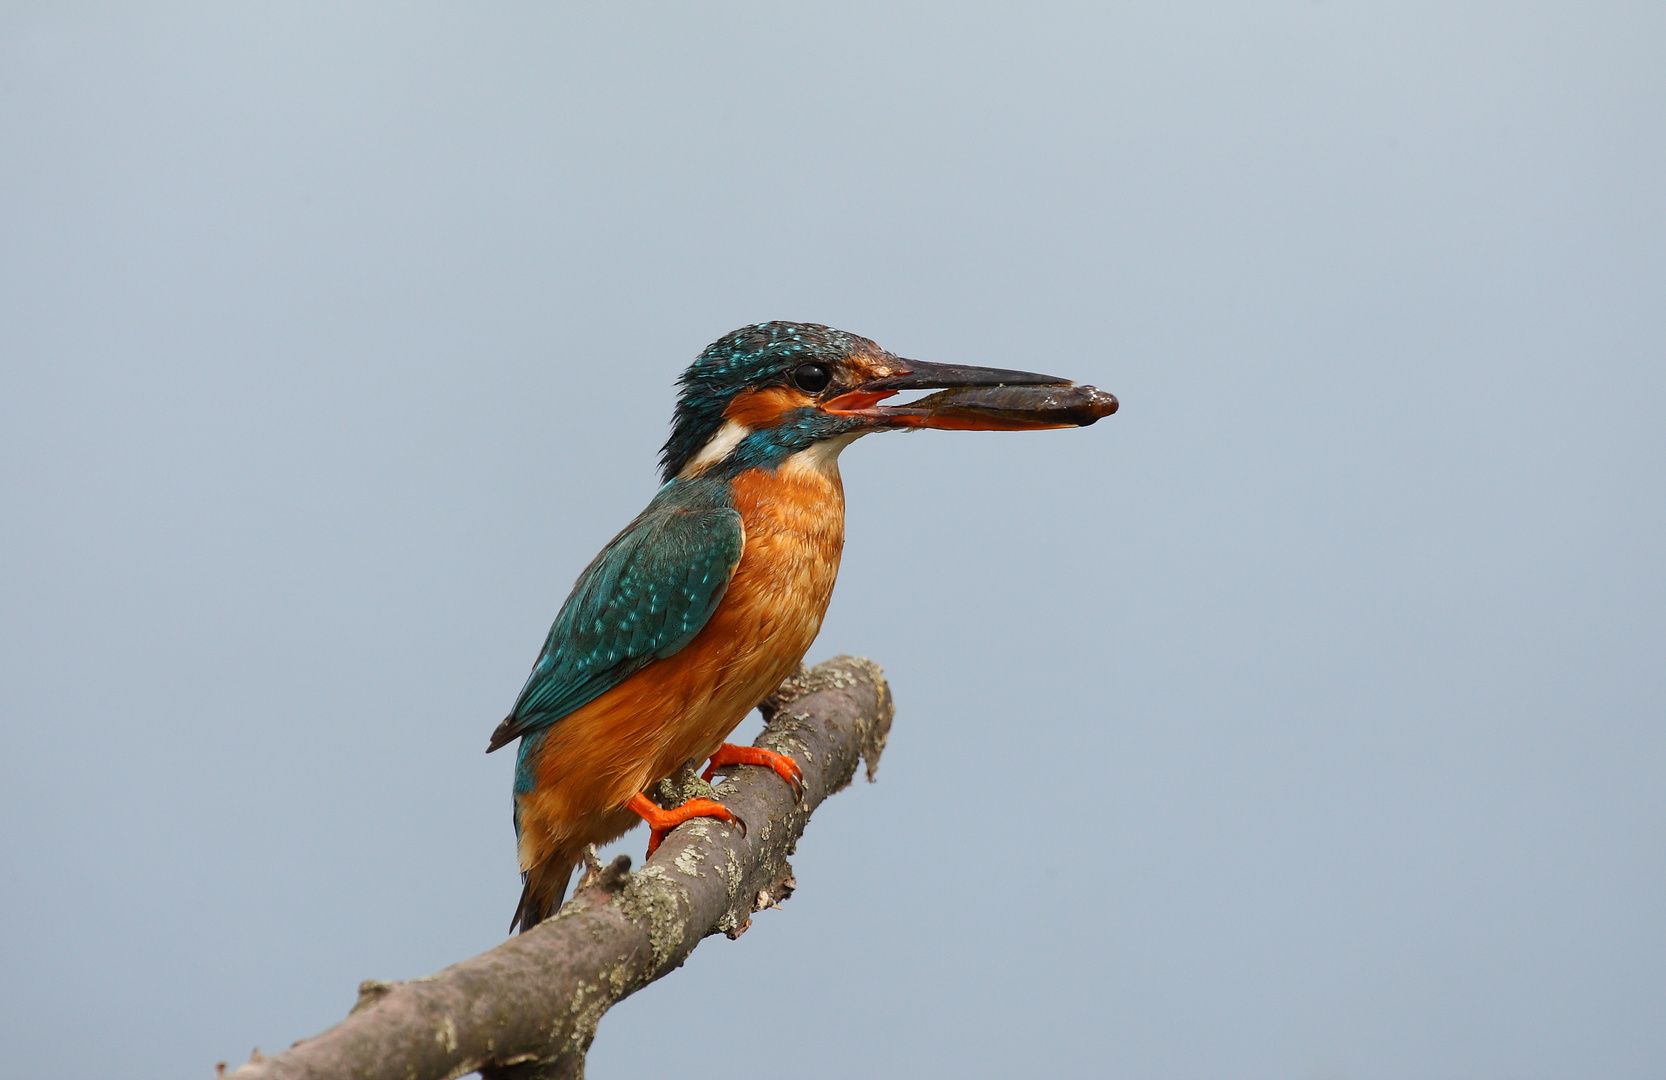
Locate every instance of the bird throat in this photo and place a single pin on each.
(820, 458)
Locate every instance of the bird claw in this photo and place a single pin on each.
(661, 821)
(783, 766)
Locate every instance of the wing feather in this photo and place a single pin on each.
(644, 597)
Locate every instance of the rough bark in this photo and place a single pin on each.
(529, 1008)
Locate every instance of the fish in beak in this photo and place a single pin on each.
(975, 399)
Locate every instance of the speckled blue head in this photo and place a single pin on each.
(756, 358)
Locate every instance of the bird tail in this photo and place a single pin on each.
(543, 889)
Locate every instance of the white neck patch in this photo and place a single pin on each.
(719, 446)
(821, 458)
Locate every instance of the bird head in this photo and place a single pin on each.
(764, 392)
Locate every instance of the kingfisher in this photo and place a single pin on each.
(698, 610)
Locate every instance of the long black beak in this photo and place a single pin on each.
(923, 376)
(974, 399)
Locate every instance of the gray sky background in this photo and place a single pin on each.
(1305, 719)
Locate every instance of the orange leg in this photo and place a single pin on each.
(662, 821)
(730, 754)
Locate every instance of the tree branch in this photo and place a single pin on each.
(528, 1009)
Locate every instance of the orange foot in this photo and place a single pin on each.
(662, 821)
(730, 754)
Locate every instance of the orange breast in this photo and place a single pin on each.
(682, 707)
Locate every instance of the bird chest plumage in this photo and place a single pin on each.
(795, 532)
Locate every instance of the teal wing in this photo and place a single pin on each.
(643, 598)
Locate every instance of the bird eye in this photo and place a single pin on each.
(812, 378)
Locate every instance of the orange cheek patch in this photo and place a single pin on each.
(765, 408)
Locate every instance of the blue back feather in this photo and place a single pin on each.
(644, 597)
